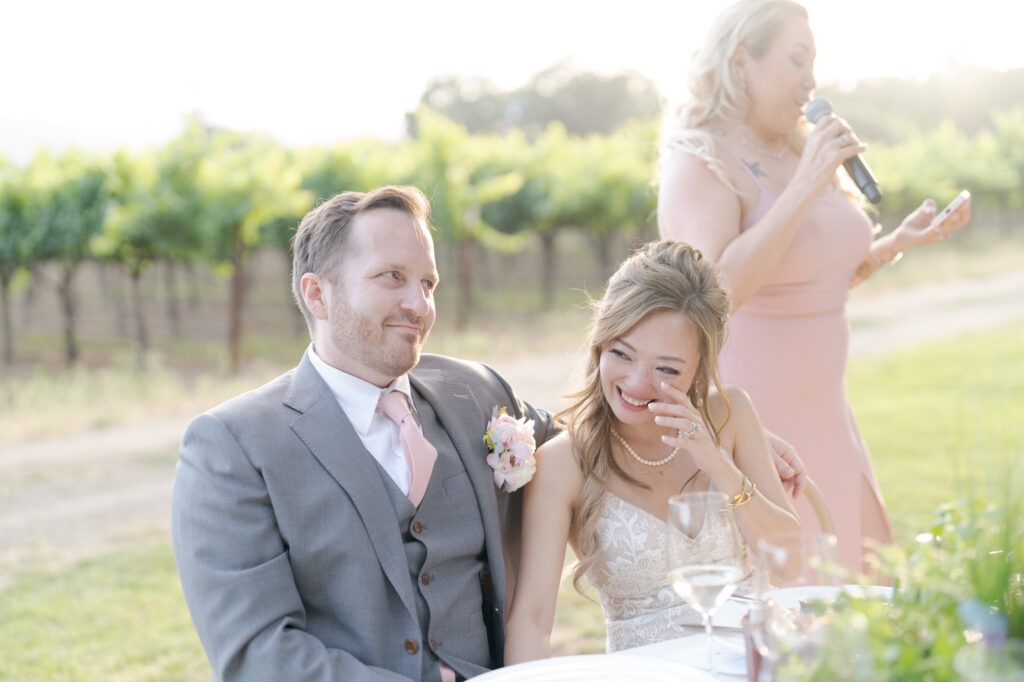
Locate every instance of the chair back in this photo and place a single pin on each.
(820, 506)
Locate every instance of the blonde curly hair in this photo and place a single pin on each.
(716, 91)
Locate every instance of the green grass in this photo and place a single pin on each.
(938, 418)
(50, 402)
(119, 618)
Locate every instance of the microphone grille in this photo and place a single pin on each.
(817, 108)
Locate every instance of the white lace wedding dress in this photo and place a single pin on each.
(631, 576)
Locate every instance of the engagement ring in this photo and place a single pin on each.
(694, 429)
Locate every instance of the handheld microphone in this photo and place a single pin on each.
(855, 166)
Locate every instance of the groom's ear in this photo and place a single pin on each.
(316, 293)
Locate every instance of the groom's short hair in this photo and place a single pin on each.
(319, 242)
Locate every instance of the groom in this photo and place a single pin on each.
(309, 547)
(319, 538)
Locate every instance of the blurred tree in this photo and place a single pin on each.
(357, 165)
(616, 196)
(129, 237)
(69, 199)
(461, 175)
(473, 101)
(155, 207)
(888, 109)
(246, 181)
(939, 163)
(14, 251)
(176, 205)
(582, 101)
(535, 208)
(1009, 140)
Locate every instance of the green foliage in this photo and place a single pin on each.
(14, 223)
(244, 182)
(216, 195)
(962, 582)
(157, 203)
(462, 174)
(68, 202)
(942, 161)
(1009, 134)
(943, 421)
(617, 193)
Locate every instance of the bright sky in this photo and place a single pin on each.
(104, 74)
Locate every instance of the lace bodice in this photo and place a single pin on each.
(631, 576)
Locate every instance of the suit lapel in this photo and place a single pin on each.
(327, 432)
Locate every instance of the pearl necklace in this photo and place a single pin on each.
(760, 150)
(645, 462)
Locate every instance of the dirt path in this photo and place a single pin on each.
(66, 498)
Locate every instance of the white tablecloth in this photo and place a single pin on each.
(692, 651)
(684, 659)
(599, 668)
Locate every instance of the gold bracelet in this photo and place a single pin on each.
(871, 265)
(742, 497)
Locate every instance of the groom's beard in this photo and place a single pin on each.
(374, 343)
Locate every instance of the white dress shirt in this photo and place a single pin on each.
(358, 400)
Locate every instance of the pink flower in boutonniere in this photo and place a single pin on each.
(512, 445)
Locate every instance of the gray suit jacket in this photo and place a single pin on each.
(287, 546)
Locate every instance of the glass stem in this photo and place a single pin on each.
(711, 647)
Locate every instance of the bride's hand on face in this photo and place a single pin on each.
(830, 144)
(686, 428)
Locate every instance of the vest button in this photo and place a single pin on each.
(416, 527)
(433, 644)
(425, 578)
(411, 646)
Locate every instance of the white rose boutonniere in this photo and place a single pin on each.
(512, 445)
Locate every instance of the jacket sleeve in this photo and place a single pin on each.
(235, 570)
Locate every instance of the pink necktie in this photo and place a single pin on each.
(419, 454)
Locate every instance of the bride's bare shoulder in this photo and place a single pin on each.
(557, 459)
(733, 403)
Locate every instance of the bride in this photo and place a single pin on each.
(643, 427)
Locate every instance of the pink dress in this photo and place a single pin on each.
(787, 347)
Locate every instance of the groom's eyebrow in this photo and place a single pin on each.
(631, 347)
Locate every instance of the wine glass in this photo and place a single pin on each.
(805, 563)
(705, 554)
(799, 578)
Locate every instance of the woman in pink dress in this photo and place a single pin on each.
(748, 181)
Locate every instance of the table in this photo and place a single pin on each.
(677, 660)
(635, 667)
(683, 659)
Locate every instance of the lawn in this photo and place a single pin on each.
(940, 418)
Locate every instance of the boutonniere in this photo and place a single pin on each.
(511, 444)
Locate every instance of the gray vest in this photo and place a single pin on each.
(444, 546)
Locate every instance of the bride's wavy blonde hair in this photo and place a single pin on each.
(663, 275)
(716, 90)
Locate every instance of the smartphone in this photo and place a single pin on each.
(950, 207)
